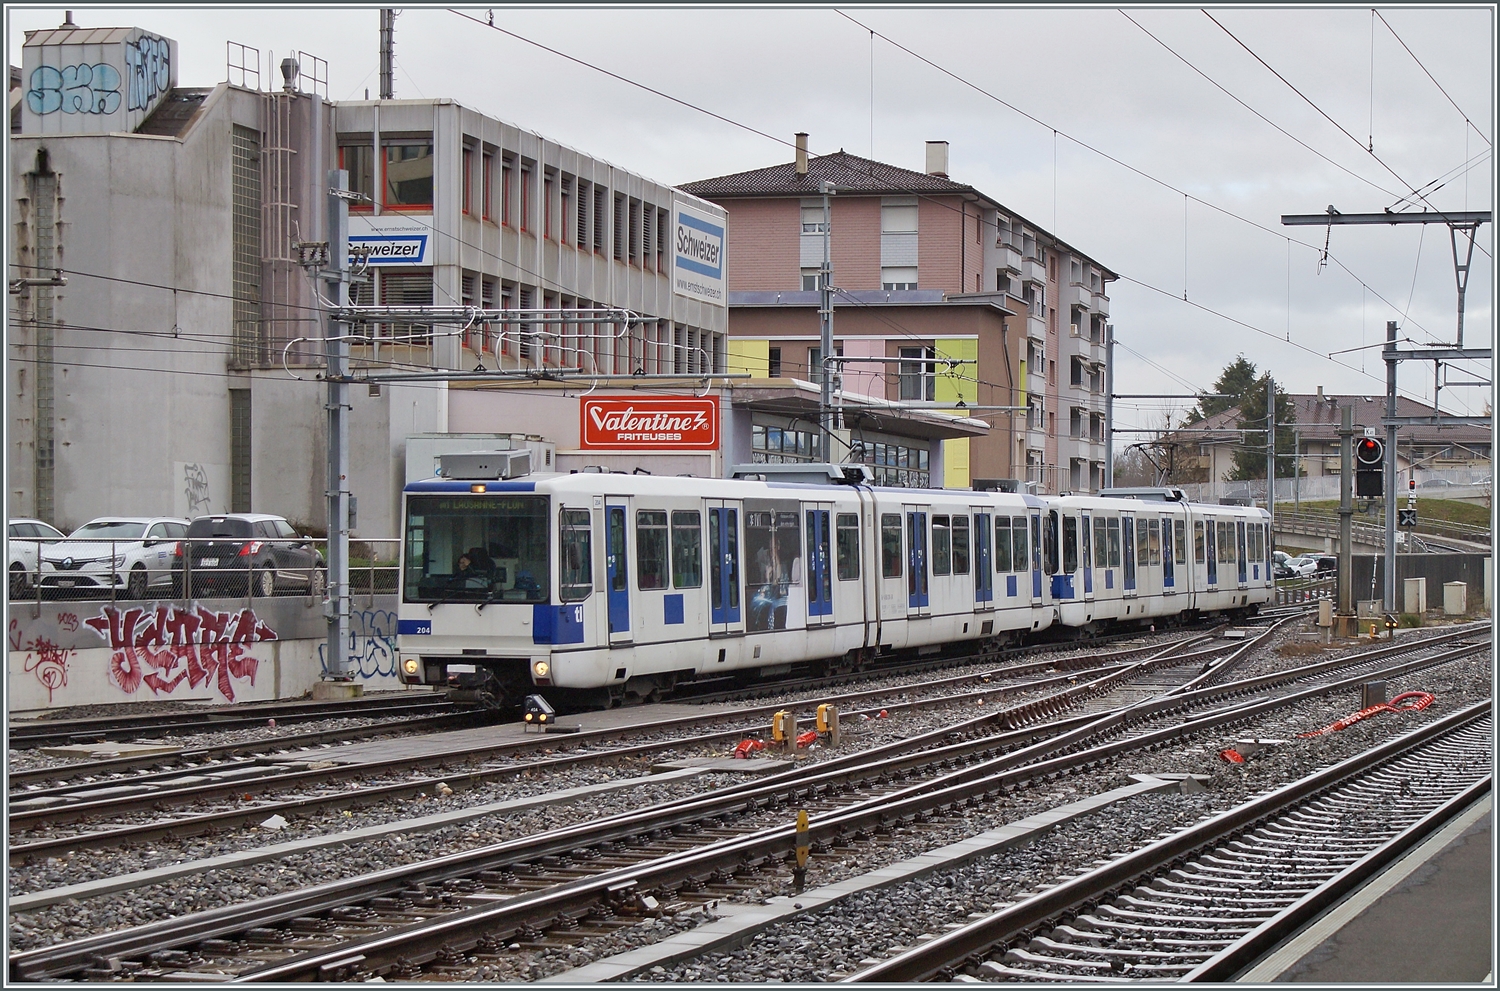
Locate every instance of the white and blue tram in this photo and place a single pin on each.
(598, 588)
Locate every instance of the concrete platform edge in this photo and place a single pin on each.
(727, 931)
(110, 885)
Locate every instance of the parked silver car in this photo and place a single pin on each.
(131, 554)
(26, 539)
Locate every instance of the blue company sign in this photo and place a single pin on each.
(392, 249)
(700, 246)
(414, 627)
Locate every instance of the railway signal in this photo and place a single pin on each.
(1369, 476)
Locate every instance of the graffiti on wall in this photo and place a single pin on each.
(148, 63)
(44, 659)
(166, 645)
(372, 644)
(74, 89)
(195, 488)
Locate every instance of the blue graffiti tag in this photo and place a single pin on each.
(371, 651)
(148, 61)
(74, 89)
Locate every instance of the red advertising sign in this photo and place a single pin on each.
(690, 423)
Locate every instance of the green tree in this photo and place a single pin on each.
(1250, 455)
(1233, 384)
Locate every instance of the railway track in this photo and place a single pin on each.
(415, 917)
(1206, 902)
(54, 732)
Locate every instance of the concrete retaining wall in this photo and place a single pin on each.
(225, 650)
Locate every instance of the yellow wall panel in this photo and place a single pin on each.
(956, 463)
(960, 381)
(748, 355)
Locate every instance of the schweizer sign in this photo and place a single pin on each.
(624, 422)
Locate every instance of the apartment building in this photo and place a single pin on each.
(166, 337)
(960, 298)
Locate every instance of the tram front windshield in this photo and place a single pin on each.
(476, 548)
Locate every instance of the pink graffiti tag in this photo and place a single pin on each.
(169, 645)
(49, 664)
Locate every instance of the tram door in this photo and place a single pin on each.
(617, 567)
(984, 577)
(819, 520)
(1168, 554)
(1085, 525)
(1036, 558)
(1212, 544)
(725, 614)
(1127, 541)
(918, 600)
(1239, 546)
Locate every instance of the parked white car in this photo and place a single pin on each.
(1305, 566)
(128, 553)
(26, 538)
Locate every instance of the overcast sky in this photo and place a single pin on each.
(1090, 76)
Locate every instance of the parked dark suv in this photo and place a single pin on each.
(240, 552)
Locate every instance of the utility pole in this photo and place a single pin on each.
(387, 53)
(825, 315)
(1109, 406)
(1271, 447)
(1390, 465)
(1346, 514)
(337, 276)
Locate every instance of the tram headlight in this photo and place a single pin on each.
(541, 669)
(411, 666)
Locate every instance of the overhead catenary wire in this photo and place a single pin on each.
(1483, 137)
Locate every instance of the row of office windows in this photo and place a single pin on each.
(501, 187)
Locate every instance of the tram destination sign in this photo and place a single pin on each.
(633, 423)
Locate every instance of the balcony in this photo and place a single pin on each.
(1077, 294)
(1033, 270)
(1008, 257)
(1036, 327)
(1100, 303)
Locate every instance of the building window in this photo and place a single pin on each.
(917, 378)
(1078, 373)
(359, 162)
(548, 183)
(601, 198)
(810, 280)
(815, 362)
(773, 363)
(784, 445)
(581, 230)
(812, 219)
(487, 204)
(898, 277)
(892, 464)
(408, 175)
(620, 229)
(251, 346)
(525, 217)
(633, 244)
(408, 288)
(565, 214)
(239, 450)
(507, 171)
(663, 224)
(468, 188)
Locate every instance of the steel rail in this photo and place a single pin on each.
(58, 961)
(939, 954)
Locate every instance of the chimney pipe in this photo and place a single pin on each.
(289, 71)
(802, 153)
(1320, 393)
(387, 53)
(67, 23)
(937, 159)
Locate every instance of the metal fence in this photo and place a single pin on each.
(166, 569)
(1306, 590)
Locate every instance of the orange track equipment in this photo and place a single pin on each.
(1418, 700)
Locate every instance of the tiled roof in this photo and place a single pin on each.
(848, 172)
(1320, 418)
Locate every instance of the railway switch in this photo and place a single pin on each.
(828, 723)
(804, 847)
(784, 728)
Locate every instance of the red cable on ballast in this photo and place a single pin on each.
(1418, 701)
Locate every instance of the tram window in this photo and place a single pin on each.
(1198, 542)
(1226, 541)
(1002, 543)
(1180, 545)
(1101, 542)
(1153, 541)
(848, 546)
(577, 556)
(1114, 542)
(687, 550)
(1070, 544)
(1020, 553)
(942, 546)
(651, 549)
(890, 545)
(1036, 542)
(1142, 550)
(960, 545)
(615, 541)
(505, 539)
(1049, 543)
